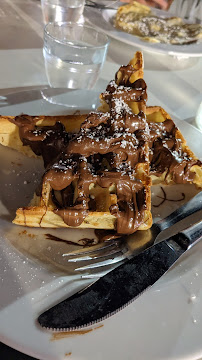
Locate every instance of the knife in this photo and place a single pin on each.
(97, 5)
(121, 286)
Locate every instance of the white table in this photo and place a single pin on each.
(172, 83)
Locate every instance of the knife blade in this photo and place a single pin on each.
(113, 5)
(121, 286)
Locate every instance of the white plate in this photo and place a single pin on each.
(164, 323)
(103, 19)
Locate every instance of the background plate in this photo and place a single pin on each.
(103, 19)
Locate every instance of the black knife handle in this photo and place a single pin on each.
(192, 206)
(190, 236)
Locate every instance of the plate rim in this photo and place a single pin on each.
(134, 40)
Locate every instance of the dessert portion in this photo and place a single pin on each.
(13, 128)
(99, 166)
(139, 20)
(171, 160)
(99, 176)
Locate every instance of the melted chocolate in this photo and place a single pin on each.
(83, 241)
(107, 235)
(167, 154)
(47, 141)
(55, 238)
(164, 198)
(104, 153)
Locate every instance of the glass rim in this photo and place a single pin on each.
(69, 43)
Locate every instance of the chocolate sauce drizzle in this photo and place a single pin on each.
(164, 198)
(104, 155)
(107, 235)
(167, 153)
(83, 241)
(103, 159)
(47, 141)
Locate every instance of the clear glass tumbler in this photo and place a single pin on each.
(198, 118)
(62, 10)
(74, 55)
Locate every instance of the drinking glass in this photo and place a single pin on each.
(62, 10)
(198, 118)
(74, 55)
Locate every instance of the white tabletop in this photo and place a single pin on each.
(174, 83)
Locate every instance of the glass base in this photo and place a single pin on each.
(198, 118)
(78, 99)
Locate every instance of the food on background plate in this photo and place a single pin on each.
(98, 167)
(141, 21)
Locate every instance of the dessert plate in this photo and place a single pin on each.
(165, 323)
(103, 19)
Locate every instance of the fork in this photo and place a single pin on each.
(114, 251)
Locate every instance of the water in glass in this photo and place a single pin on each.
(66, 72)
(75, 63)
(62, 10)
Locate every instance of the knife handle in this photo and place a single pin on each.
(192, 206)
(190, 236)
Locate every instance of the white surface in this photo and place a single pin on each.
(103, 19)
(28, 69)
(161, 324)
(164, 323)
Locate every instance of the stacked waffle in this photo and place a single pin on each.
(98, 167)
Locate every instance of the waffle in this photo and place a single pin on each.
(171, 160)
(118, 148)
(139, 20)
(97, 177)
(160, 173)
(11, 134)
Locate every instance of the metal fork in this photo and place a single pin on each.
(115, 251)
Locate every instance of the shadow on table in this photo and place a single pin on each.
(8, 353)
